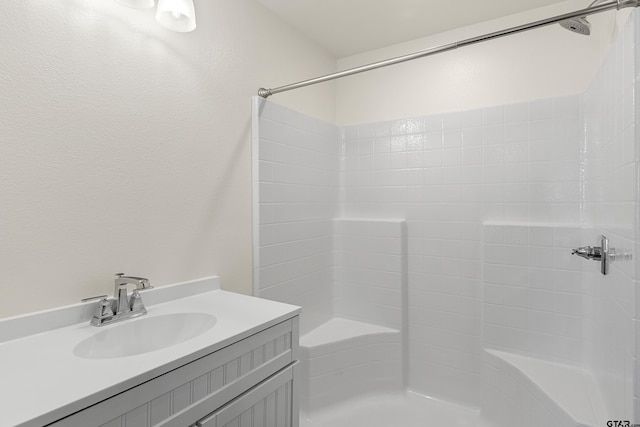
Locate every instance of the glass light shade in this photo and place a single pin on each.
(176, 15)
(137, 4)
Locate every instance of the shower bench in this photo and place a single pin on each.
(338, 359)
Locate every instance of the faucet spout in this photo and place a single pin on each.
(120, 292)
(140, 282)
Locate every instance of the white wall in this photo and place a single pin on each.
(126, 147)
(370, 277)
(532, 293)
(611, 206)
(446, 174)
(296, 196)
(538, 64)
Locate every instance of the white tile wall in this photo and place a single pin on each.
(532, 296)
(446, 174)
(611, 206)
(370, 272)
(296, 180)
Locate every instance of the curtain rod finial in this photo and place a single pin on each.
(265, 93)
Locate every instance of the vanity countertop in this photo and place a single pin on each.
(43, 381)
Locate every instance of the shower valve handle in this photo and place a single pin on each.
(596, 253)
(588, 252)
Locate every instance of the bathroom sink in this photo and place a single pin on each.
(143, 335)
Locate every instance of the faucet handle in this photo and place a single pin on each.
(103, 310)
(135, 302)
(94, 298)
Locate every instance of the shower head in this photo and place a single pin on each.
(580, 25)
(577, 25)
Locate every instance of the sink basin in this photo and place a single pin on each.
(143, 335)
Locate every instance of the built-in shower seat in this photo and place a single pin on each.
(537, 392)
(343, 358)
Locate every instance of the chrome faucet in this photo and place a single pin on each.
(121, 307)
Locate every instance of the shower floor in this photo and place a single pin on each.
(394, 410)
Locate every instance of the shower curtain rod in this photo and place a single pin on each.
(604, 7)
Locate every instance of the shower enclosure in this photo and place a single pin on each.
(433, 254)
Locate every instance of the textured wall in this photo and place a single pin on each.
(126, 147)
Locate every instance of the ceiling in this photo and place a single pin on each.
(348, 27)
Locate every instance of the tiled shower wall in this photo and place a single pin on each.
(447, 174)
(297, 176)
(369, 276)
(611, 200)
(532, 293)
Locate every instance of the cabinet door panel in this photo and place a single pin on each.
(160, 408)
(268, 404)
(139, 417)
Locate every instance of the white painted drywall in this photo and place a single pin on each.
(542, 63)
(127, 148)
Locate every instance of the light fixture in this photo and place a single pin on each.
(176, 15)
(137, 4)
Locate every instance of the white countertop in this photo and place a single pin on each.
(43, 381)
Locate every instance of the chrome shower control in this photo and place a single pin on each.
(588, 252)
(596, 253)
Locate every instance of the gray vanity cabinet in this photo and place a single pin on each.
(267, 405)
(247, 384)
